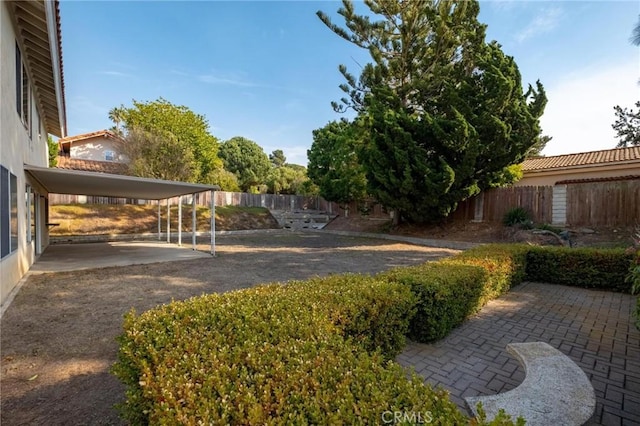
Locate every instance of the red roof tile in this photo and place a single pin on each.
(606, 156)
(91, 165)
(104, 133)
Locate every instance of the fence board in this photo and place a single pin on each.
(536, 199)
(607, 204)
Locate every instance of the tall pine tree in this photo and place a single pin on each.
(443, 111)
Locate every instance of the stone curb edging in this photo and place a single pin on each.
(555, 391)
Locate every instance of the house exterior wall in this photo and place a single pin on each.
(96, 149)
(551, 176)
(19, 145)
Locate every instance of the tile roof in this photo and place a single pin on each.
(603, 179)
(104, 133)
(91, 165)
(606, 156)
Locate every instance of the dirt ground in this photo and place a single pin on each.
(484, 232)
(58, 336)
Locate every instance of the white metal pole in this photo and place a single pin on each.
(180, 221)
(193, 221)
(168, 220)
(159, 223)
(213, 222)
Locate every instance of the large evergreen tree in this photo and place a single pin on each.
(443, 113)
(333, 163)
(627, 125)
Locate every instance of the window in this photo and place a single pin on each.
(8, 212)
(109, 156)
(18, 80)
(23, 95)
(38, 125)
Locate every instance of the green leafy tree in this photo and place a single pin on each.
(287, 179)
(277, 158)
(442, 112)
(184, 128)
(333, 163)
(627, 126)
(226, 180)
(159, 155)
(53, 151)
(247, 160)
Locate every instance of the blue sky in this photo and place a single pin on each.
(267, 70)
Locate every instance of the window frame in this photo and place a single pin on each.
(23, 92)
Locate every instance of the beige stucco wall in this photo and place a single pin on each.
(95, 149)
(550, 177)
(17, 148)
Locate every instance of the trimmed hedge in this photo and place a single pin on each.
(319, 351)
(446, 293)
(581, 267)
(451, 290)
(311, 352)
(505, 264)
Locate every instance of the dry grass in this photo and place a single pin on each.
(101, 219)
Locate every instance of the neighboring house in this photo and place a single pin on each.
(102, 145)
(33, 106)
(92, 166)
(609, 164)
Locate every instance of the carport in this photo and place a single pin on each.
(62, 181)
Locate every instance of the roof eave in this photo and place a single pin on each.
(55, 41)
(37, 30)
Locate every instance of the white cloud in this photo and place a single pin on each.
(579, 113)
(225, 80)
(115, 74)
(544, 22)
(296, 154)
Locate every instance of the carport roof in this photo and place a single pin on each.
(60, 181)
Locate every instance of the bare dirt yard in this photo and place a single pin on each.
(486, 232)
(58, 336)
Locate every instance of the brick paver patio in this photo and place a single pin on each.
(594, 328)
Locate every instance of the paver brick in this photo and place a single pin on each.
(592, 327)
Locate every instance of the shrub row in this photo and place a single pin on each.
(313, 352)
(318, 351)
(450, 290)
(581, 267)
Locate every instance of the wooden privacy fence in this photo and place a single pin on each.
(606, 204)
(492, 205)
(270, 201)
(610, 204)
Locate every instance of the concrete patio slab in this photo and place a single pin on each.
(76, 257)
